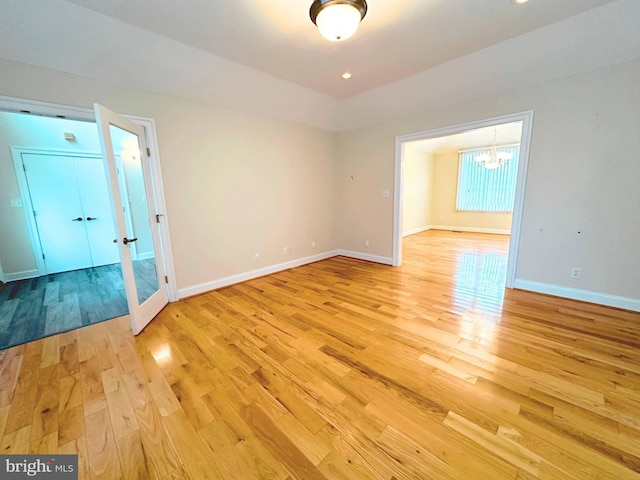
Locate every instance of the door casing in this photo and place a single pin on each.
(526, 118)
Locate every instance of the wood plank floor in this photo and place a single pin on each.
(42, 306)
(345, 370)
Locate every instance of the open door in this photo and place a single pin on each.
(143, 277)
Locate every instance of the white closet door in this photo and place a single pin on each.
(58, 211)
(92, 185)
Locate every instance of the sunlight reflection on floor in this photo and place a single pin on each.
(479, 281)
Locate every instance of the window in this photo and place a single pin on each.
(482, 189)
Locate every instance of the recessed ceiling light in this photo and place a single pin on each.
(346, 75)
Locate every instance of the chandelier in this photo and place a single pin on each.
(494, 158)
(337, 20)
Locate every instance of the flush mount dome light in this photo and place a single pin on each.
(337, 20)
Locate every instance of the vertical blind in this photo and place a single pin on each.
(486, 190)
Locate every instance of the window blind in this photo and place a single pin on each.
(486, 190)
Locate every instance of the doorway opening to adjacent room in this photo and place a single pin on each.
(61, 252)
(467, 179)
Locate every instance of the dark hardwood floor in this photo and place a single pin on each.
(43, 306)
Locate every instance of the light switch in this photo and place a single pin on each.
(16, 203)
(385, 193)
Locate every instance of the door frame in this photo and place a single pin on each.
(526, 118)
(18, 105)
(27, 206)
(141, 311)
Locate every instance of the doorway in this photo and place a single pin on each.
(19, 265)
(402, 144)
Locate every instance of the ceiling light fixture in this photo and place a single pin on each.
(346, 75)
(337, 20)
(493, 159)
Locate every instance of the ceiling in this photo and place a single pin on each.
(266, 58)
(397, 38)
(503, 134)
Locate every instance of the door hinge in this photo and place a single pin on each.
(148, 152)
(43, 256)
(166, 279)
(34, 213)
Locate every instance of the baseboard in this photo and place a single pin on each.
(243, 277)
(577, 294)
(366, 256)
(261, 272)
(12, 277)
(413, 231)
(470, 229)
(456, 229)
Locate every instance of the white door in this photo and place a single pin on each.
(144, 278)
(58, 211)
(94, 194)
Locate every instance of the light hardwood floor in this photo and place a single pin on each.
(345, 370)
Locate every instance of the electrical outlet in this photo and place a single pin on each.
(289, 250)
(256, 256)
(576, 272)
(366, 243)
(286, 250)
(313, 244)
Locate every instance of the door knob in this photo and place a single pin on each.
(91, 218)
(79, 219)
(126, 240)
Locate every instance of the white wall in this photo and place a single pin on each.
(583, 177)
(418, 184)
(235, 183)
(16, 252)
